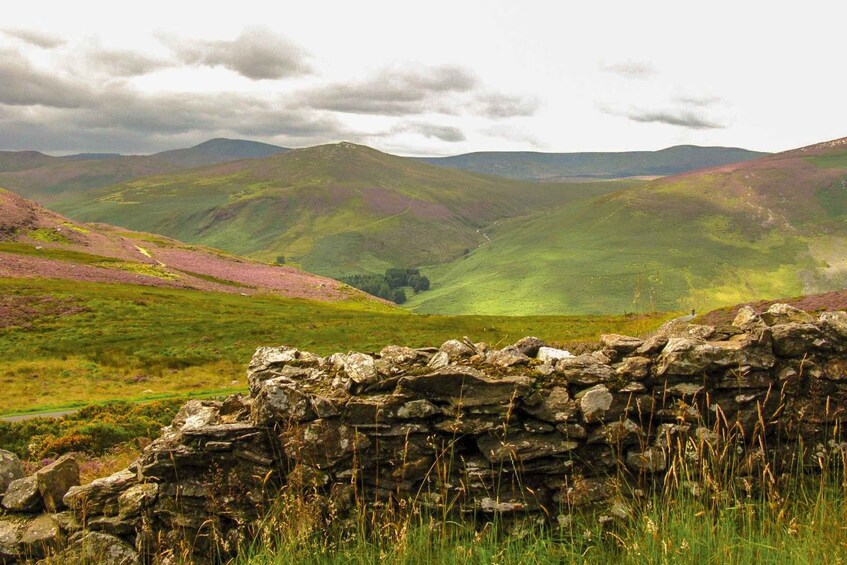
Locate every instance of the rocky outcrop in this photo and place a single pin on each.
(524, 428)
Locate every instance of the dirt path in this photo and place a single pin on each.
(22, 417)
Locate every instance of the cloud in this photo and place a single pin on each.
(24, 85)
(686, 119)
(506, 106)
(394, 92)
(37, 38)
(449, 134)
(630, 69)
(257, 53)
(698, 101)
(122, 63)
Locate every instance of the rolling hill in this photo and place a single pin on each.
(36, 243)
(775, 226)
(44, 178)
(333, 209)
(567, 166)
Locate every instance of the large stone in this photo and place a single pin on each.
(40, 536)
(281, 400)
(634, 368)
(523, 446)
(555, 405)
(584, 370)
(96, 547)
(55, 480)
(797, 339)
(100, 496)
(11, 469)
(650, 460)
(620, 344)
(688, 356)
(456, 350)
(551, 354)
(784, 314)
(23, 496)
(323, 443)
(507, 357)
(465, 386)
(529, 346)
(10, 540)
(360, 369)
(135, 499)
(594, 403)
(747, 319)
(417, 409)
(267, 363)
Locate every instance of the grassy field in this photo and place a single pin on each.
(333, 209)
(79, 343)
(763, 229)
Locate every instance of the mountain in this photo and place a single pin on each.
(775, 226)
(563, 166)
(332, 209)
(38, 243)
(219, 150)
(45, 179)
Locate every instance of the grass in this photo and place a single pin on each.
(132, 342)
(54, 253)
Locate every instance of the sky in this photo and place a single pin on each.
(422, 78)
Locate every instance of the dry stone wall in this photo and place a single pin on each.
(526, 428)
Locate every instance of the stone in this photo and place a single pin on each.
(523, 446)
(40, 536)
(529, 346)
(784, 314)
(464, 386)
(280, 400)
(635, 368)
(132, 501)
(439, 360)
(616, 433)
(10, 540)
(23, 496)
(620, 344)
(689, 356)
(835, 324)
(594, 402)
(583, 370)
(11, 469)
(55, 480)
(360, 369)
(322, 444)
(266, 362)
(96, 547)
(650, 460)
(747, 319)
(417, 409)
(397, 355)
(551, 354)
(100, 495)
(456, 350)
(508, 357)
(796, 339)
(555, 406)
(653, 344)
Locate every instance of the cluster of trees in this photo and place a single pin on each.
(391, 285)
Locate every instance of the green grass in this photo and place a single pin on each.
(334, 210)
(133, 342)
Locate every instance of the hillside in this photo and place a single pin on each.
(44, 178)
(332, 209)
(37, 243)
(776, 226)
(563, 166)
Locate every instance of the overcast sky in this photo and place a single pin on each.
(422, 78)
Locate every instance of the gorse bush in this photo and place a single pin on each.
(93, 430)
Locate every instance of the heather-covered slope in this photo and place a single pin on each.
(332, 209)
(45, 178)
(37, 243)
(772, 227)
(563, 166)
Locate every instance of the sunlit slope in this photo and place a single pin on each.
(771, 227)
(333, 209)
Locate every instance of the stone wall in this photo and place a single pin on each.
(526, 428)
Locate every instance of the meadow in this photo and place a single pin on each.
(66, 344)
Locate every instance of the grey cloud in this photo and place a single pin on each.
(123, 63)
(630, 69)
(24, 85)
(684, 119)
(444, 133)
(394, 92)
(505, 106)
(258, 53)
(698, 101)
(37, 38)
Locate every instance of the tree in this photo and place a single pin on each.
(280, 260)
